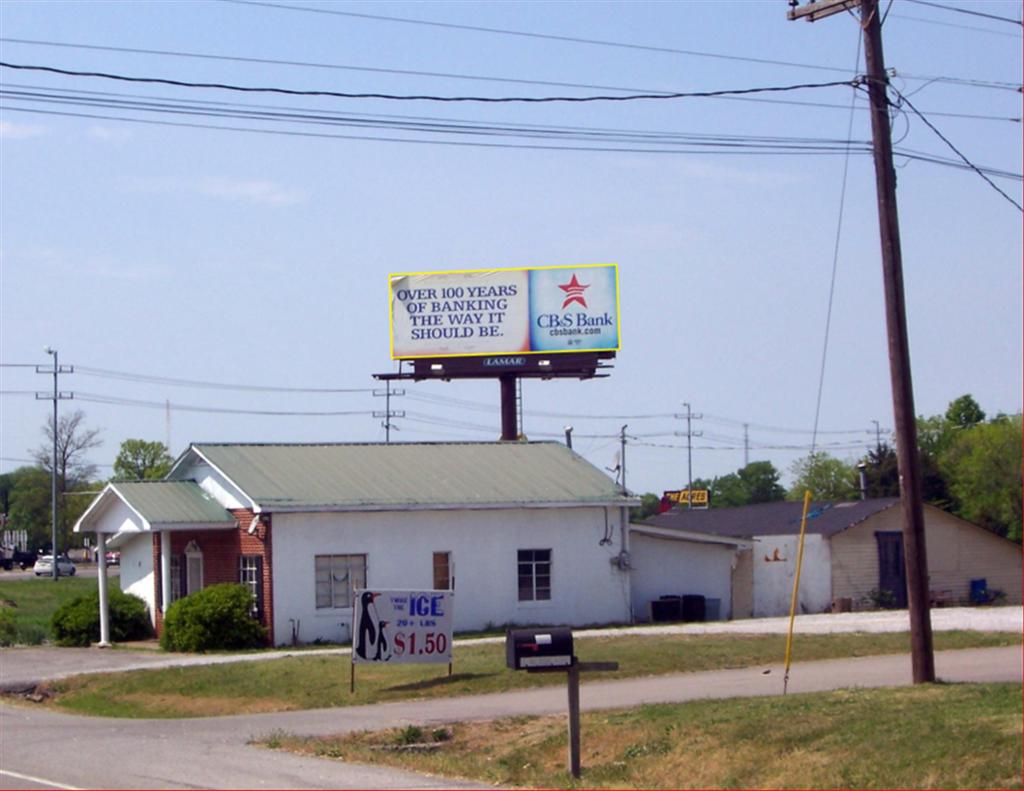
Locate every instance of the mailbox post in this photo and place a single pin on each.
(551, 651)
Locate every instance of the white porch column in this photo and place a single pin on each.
(165, 570)
(101, 561)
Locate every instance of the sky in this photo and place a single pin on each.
(191, 256)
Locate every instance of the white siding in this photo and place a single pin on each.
(773, 578)
(665, 566)
(585, 587)
(137, 570)
(215, 485)
(958, 552)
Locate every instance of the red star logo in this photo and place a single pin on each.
(574, 292)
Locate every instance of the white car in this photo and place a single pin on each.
(44, 566)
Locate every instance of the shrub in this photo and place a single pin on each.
(77, 622)
(215, 618)
(880, 599)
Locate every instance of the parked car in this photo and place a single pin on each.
(113, 557)
(44, 566)
(10, 557)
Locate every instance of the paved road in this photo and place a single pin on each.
(214, 752)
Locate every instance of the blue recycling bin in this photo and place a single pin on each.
(979, 591)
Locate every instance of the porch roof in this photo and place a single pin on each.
(158, 505)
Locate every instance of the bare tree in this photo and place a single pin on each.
(74, 441)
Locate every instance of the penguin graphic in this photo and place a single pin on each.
(383, 653)
(367, 626)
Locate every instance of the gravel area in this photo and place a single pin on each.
(25, 667)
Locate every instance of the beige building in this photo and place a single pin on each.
(853, 556)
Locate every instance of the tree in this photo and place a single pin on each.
(964, 412)
(139, 460)
(74, 471)
(27, 493)
(882, 472)
(827, 478)
(650, 504)
(74, 441)
(983, 467)
(760, 480)
(757, 482)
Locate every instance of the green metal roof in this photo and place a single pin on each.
(419, 475)
(172, 502)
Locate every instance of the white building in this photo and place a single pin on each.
(525, 533)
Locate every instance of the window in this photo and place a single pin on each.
(442, 571)
(176, 567)
(193, 568)
(336, 577)
(534, 574)
(250, 574)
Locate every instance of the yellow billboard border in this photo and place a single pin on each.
(391, 313)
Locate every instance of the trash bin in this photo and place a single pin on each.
(712, 609)
(693, 608)
(979, 591)
(666, 609)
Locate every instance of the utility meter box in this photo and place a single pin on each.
(532, 649)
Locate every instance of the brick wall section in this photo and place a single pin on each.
(221, 552)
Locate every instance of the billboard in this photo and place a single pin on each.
(698, 497)
(402, 626)
(480, 312)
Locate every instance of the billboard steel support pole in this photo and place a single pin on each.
(508, 407)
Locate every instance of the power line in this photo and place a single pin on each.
(578, 133)
(944, 139)
(422, 97)
(543, 36)
(835, 268)
(954, 24)
(105, 373)
(967, 11)
(98, 398)
(551, 37)
(824, 148)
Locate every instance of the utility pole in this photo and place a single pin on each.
(57, 370)
(878, 438)
(387, 414)
(746, 444)
(914, 550)
(690, 434)
(622, 455)
(568, 437)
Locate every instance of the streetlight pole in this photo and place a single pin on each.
(53, 467)
(56, 371)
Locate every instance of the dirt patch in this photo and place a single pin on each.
(206, 706)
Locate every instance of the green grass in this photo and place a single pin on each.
(930, 736)
(303, 682)
(33, 602)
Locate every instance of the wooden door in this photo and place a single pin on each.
(891, 569)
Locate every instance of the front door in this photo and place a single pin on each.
(891, 570)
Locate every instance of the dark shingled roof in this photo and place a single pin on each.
(772, 519)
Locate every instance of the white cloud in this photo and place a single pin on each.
(258, 191)
(108, 134)
(9, 131)
(262, 192)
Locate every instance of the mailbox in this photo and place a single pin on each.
(531, 649)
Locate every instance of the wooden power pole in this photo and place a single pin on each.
(914, 551)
